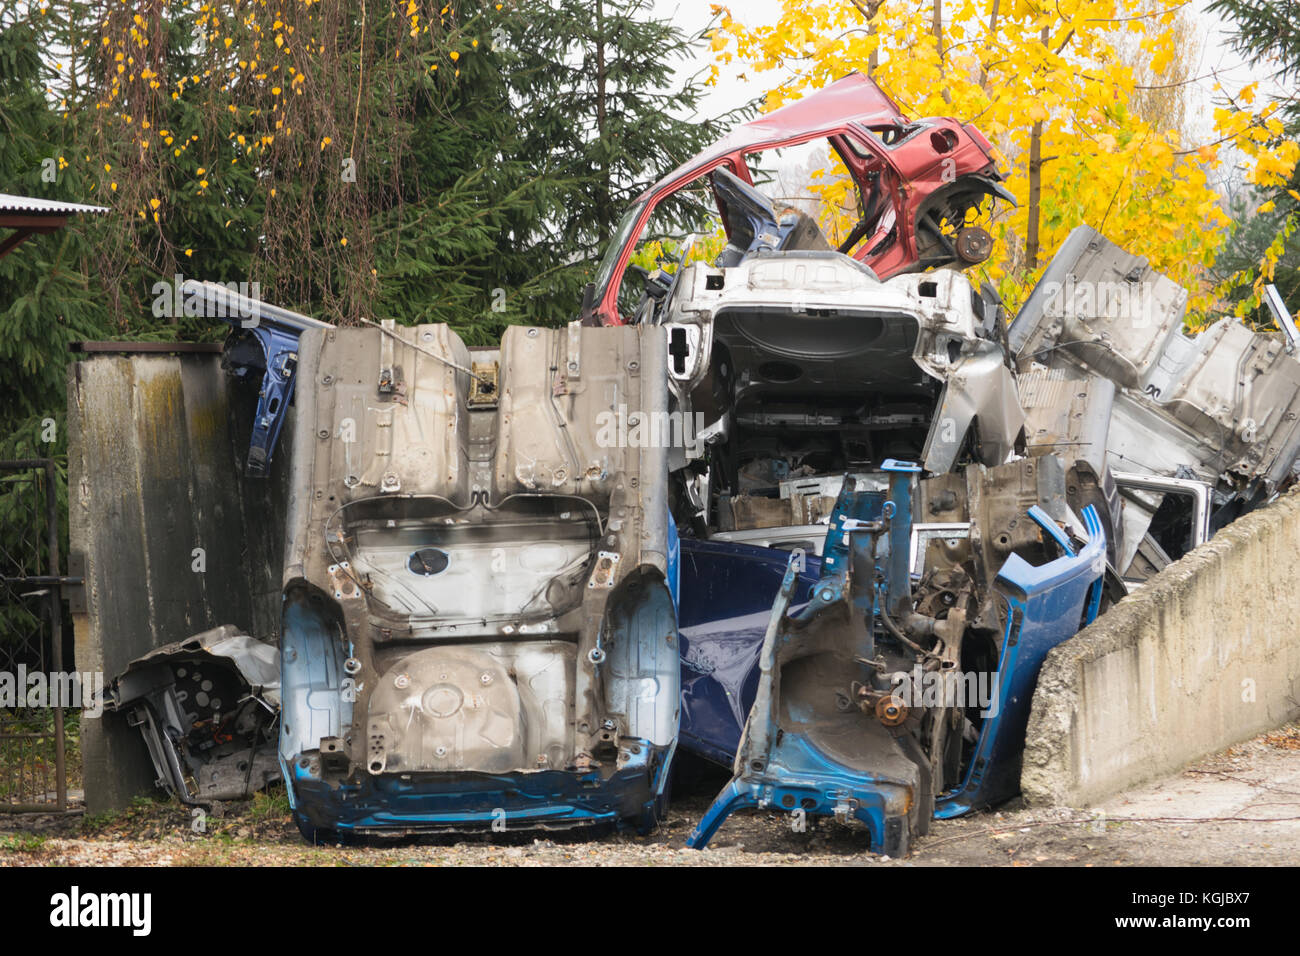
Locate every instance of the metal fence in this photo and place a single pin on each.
(33, 758)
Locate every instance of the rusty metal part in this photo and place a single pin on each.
(483, 392)
(973, 244)
(606, 567)
(891, 711)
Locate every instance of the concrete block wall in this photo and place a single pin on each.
(1206, 655)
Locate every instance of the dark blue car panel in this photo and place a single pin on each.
(727, 594)
(726, 600)
(1045, 605)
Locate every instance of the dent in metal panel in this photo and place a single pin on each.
(979, 388)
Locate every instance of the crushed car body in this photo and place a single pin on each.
(916, 180)
(1106, 367)
(1051, 465)
(1048, 477)
(207, 708)
(812, 512)
(479, 626)
(823, 378)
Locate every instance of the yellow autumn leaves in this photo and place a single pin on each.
(1081, 69)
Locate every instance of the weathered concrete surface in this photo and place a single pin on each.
(155, 449)
(1207, 654)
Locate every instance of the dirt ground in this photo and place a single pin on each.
(1238, 807)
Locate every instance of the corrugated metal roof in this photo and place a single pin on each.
(50, 207)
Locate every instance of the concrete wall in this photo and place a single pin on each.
(155, 451)
(1207, 654)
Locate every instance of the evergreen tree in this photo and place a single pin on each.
(415, 162)
(462, 166)
(598, 87)
(46, 299)
(354, 165)
(1267, 36)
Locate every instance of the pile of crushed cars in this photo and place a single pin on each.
(815, 514)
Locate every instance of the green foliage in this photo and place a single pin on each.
(269, 806)
(22, 843)
(46, 299)
(413, 162)
(598, 97)
(1265, 29)
(405, 160)
(1267, 35)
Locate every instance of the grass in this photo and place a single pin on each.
(265, 816)
(141, 808)
(22, 843)
(268, 806)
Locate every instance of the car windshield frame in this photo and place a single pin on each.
(623, 233)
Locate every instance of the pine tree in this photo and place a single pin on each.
(1267, 35)
(603, 103)
(46, 300)
(415, 162)
(354, 165)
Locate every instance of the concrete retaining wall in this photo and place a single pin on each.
(1207, 654)
(155, 450)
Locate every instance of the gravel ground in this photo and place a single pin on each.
(1238, 807)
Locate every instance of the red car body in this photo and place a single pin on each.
(905, 171)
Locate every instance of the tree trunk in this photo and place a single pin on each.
(868, 9)
(990, 37)
(1035, 193)
(604, 217)
(1035, 183)
(936, 27)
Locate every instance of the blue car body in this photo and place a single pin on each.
(731, 645)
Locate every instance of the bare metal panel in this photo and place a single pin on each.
(1221, 407)
(478, 525)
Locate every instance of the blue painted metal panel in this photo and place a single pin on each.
(262, 346)
(727, 595)
(674, 563)
(277, 367)
(798, 755)
(1045, 605)
(724, 629)
(316, 703)
(430, 803)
